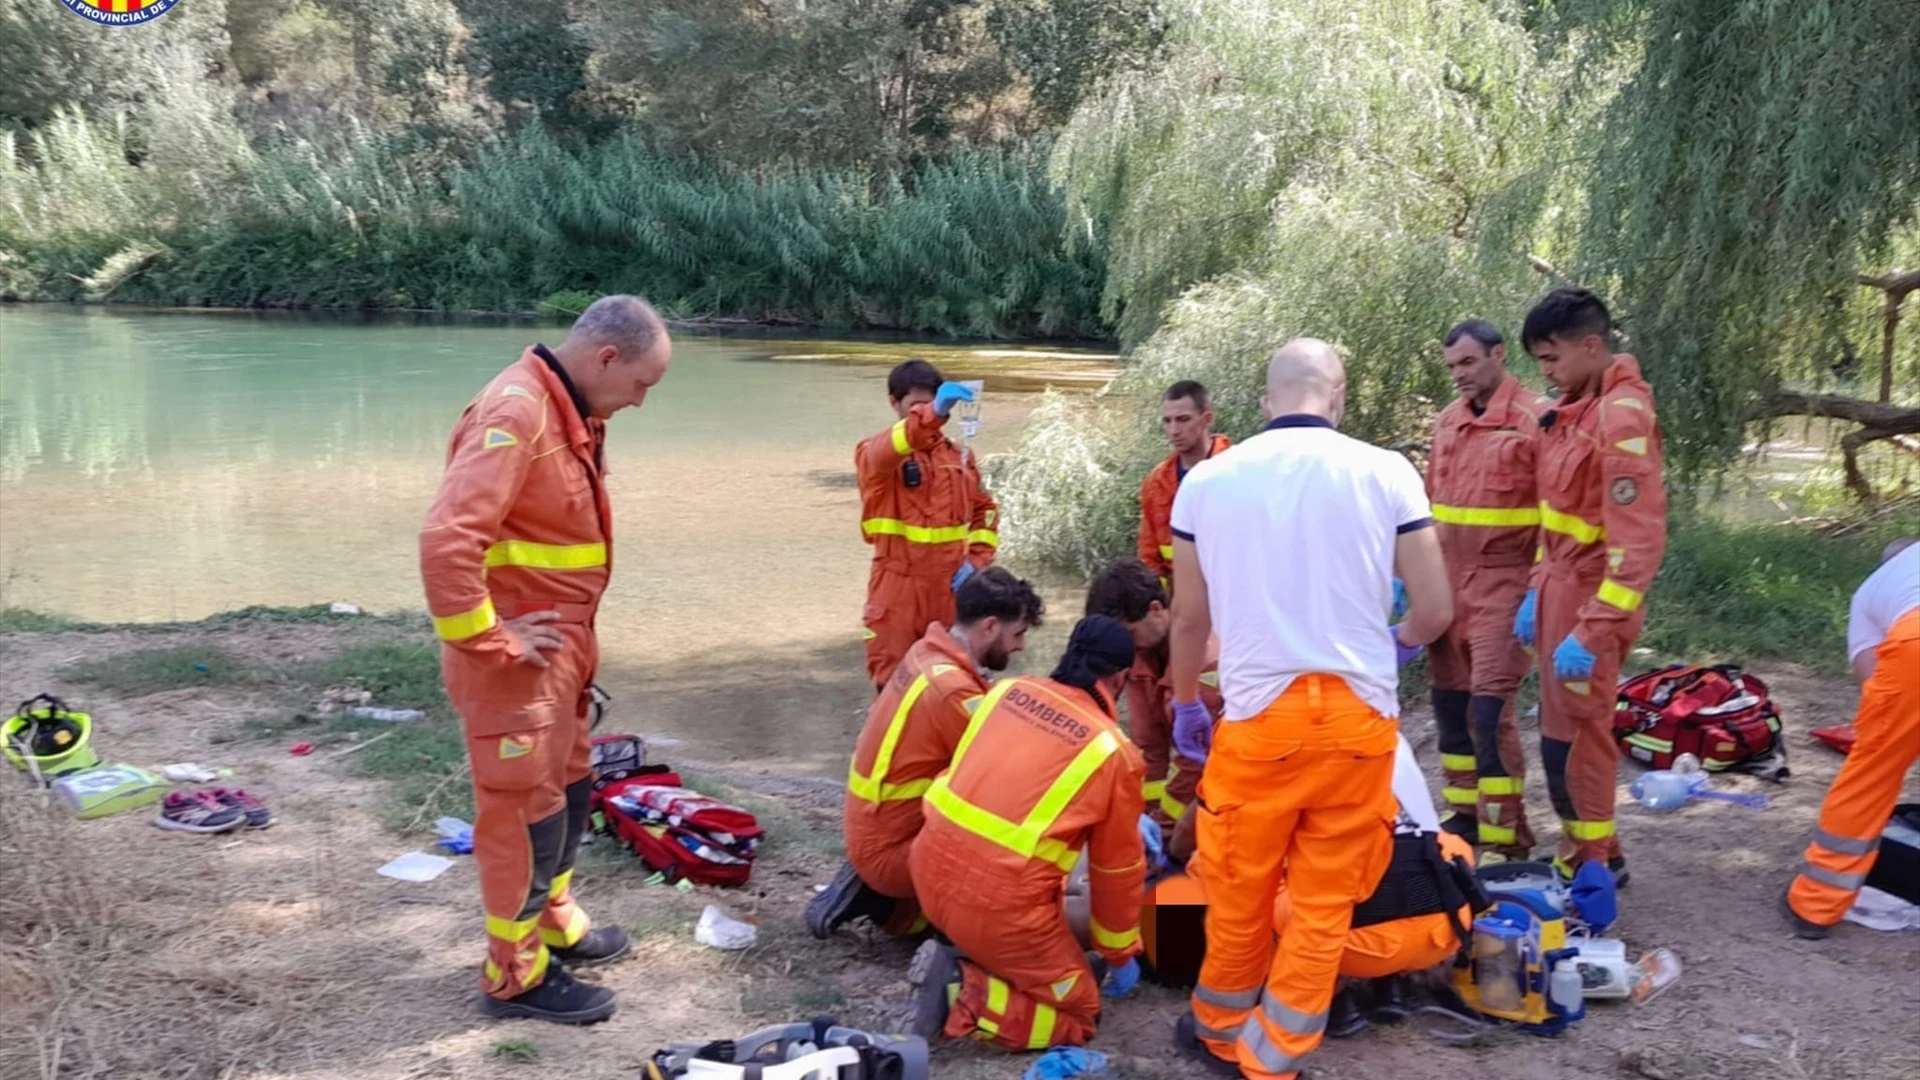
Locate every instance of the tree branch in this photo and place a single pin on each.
(1877, 420)
(1896, 284)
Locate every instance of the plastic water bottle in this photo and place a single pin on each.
(1689, 766)
(1564, 987)
(1662, 789)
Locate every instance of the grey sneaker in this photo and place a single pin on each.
(935, 970)
(198, 812)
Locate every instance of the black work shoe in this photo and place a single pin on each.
(1186, 1039)
(1617, 864)
(559, 999)
(847, 898)
(1344, 1017)
(602, 945)
(1392, 999)
(1804, 929)
(934, 972)
(1462, 826)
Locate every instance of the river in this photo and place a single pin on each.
(170, 465)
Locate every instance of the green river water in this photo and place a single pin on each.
(166, 466)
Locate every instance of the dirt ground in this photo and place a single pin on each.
(128, 952)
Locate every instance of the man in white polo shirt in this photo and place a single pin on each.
(1293, 539)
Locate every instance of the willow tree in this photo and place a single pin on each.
(1753, 171)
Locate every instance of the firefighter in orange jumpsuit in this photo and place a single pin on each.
(1487, 509)
(1042, 773)
(909, 737)
(1128, 590)
(1883, 641)
(1186, 417)
(515, 554)
(1603, 521)
(926, 513)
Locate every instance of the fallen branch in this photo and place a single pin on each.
(1896, 284)
(357, 747)
(1878, 420)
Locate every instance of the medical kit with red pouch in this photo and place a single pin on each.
(1718, 713)
(676, 830)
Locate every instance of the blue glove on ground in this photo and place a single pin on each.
(961, 575)
(949, 395)
(1066, 1063)
(1121, 980)
(1399, 599)
(1525, 624)
(1572, 660)
(1192, 730)
(1406, 654)
(1154, 841)
(1595, 897)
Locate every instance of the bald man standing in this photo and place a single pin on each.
(1287, 546)
(515, 555)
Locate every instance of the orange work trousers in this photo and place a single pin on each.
(1862, 797)
(1025, 983)
(1577, 751)
(1477, 667)
(899, 609)
(1302, 792)
(527, 740)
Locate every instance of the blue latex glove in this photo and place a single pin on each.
(1154, 841)
(949, 395)
(1406, 654)
(1572, 660)
(1066, 1063)
(1192, 730)
(961, 575)
(1121, 980)
(1399, 599)
(1594, 895)
(1526, 623)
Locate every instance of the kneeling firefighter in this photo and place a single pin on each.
(911, 731)
(1042, 773)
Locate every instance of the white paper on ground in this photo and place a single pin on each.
(723, 931)
(189, 772)
(416, 866)
(1877, 909)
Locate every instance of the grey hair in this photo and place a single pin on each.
(626, 322)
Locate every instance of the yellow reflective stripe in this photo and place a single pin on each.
(1109, 939)
(1498, 834)
(1042, 1035)
(997, 995)
(1491, 516)
(546, 556)
(900, 444)
(1152, 790)
(511, 929)
(1459, 762)
(1166, 551)
(1589, 830)
(988, 1026)
(562, 881)
(984, 536)
(1618, 595)
(1172, 807)
(466, 624)
(918, 534)
(577, 926)
(874, 788)
(1502, 785)
(1460, 796)
(533, 976)
(1648, 742)
(1570, 525)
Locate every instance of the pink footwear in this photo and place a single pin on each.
(199, 812)
(257, 814)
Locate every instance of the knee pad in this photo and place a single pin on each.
(1484, 711)
(580, 800)
(1553, 759)
(1450, 715)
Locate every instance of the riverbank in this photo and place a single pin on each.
(280, 954)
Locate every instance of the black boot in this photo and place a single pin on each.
(1344, 1017)
(1805, 929)
(1186, 1040)
(1462, 826)
(934, 971)
(559, 999)
(601, 945)
(846, 899)
(1392, 1000)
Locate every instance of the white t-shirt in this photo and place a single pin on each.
(1417, 812)
(1295, 530)
(1888, 593)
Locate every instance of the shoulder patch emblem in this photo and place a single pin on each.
(515, 390)
(1630, 403)
(1210, 679)
(940, 669)
(1635, 445)
(1626, 490)
(1615, 558)
(496, 438)
(990, 517)
(972, 704)
(513, 746)
(1583, 688)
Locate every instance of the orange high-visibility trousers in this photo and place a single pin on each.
(528, 743)
(1398, 946)
(1304, 791)
(1477, 667)
(1024, 981)
(1887, 725)
(899, 609)
(1577, 751)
